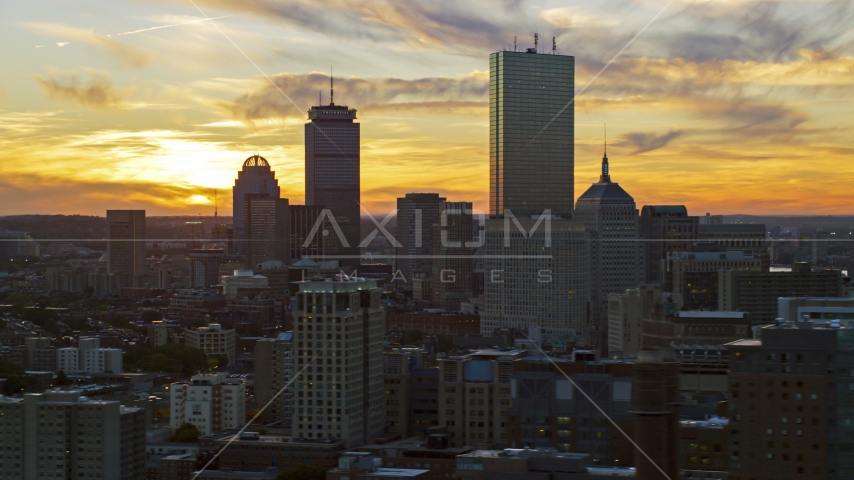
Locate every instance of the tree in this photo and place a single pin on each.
(16, 380)
(18, 300)
(62, 379)
(186, 433)
(303, 472)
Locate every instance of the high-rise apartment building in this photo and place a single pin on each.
(332, 173)
(417, 213)
(88, 357)
(210, 402)
(531, 133)
(758, 292)
(610, 213)
(266, 227)
(204, 267)
(255, 177)
(126, 245)
(665, 229)
(790, 398)
(338, 330)
(274, 368)
(536, 278)
(62, 435)
(303, 219)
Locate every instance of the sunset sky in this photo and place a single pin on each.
(726, 106)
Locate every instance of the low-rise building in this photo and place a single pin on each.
(215, 341)
(435, 323)
(253, 452)
(533, 464)
(363, 465)
(242, 279)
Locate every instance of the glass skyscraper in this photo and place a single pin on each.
(332, 173)
(531, 169)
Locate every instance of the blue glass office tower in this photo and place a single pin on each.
(531, 169)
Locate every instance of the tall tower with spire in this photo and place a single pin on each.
(616, 250)
(332, 173)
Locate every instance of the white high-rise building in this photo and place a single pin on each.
(536, 278)
(612, 216)
(56, 435)
(211, 402)
(338, 332)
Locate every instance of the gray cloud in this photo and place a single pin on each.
(95, 92)
(648, 141)
(458, 95)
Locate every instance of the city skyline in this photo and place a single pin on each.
(752, 119)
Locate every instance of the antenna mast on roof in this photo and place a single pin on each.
(331, 87)
(216, 207)
(554, 46)
(536, 39)
(514, 44)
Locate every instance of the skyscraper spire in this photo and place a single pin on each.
(605, 177)
(331, 87)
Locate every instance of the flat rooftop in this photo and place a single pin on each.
(711, 314)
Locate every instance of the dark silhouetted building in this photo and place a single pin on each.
(266, 230)
(303, 220)
(126, 245)
(417, 213)
(332, 175)
(255, 177)
(531, 133)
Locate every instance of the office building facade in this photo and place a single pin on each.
(531, 133)
(790, 403)
(610, 213)
(256, 176)
(266, 229)
(758, 292)
(695, 275)
(215, 341)
(338, 330)
(204, 267)
(303, 244)
(539, 278)
(454, 246)
(332, 173)
(665, 229)
(417, 213)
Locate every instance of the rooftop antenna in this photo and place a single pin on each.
(331, 87)
(606, 174)
(216, 207)
(514, 44)
(536, 39)
(554, 46)
(319, 97)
